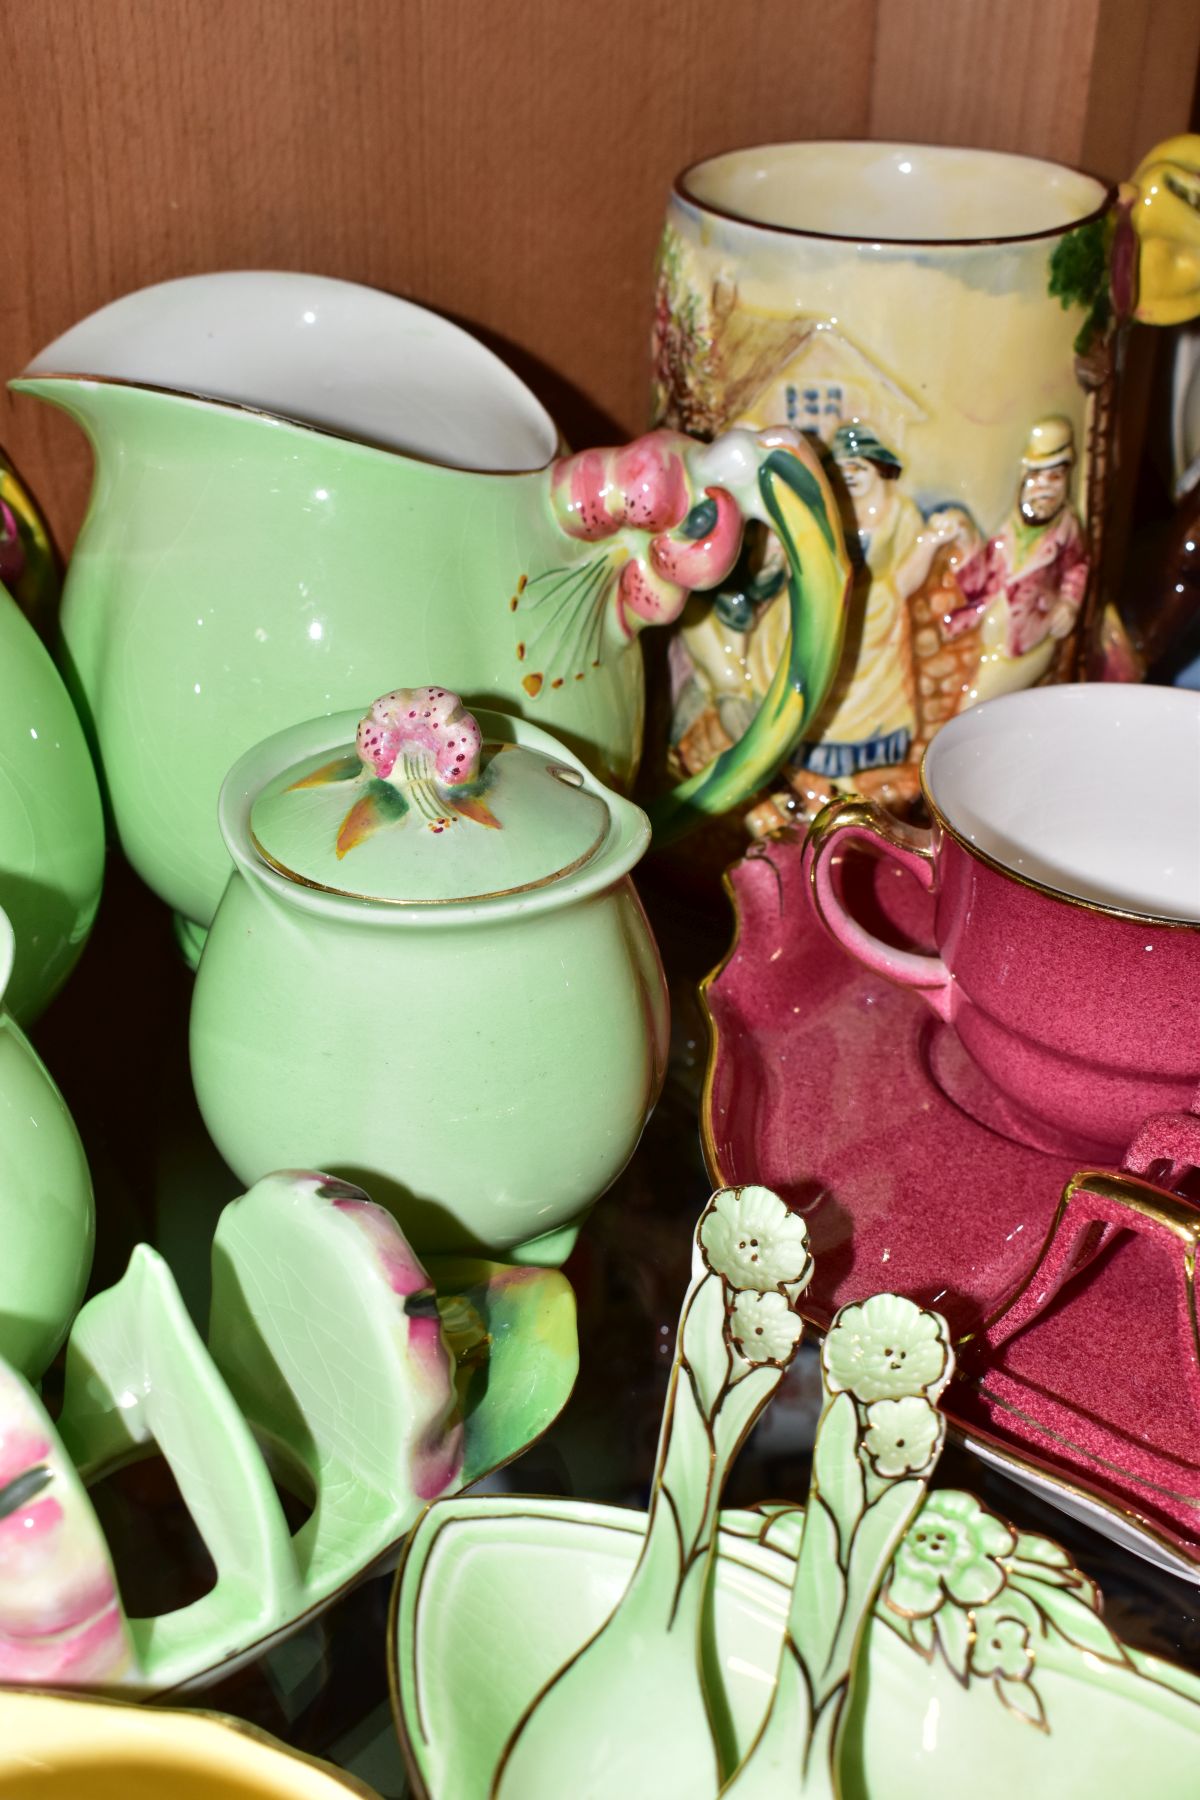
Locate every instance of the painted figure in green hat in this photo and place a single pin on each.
(876, 701)
(721, 666)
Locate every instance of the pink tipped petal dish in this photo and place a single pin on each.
(843, 1093)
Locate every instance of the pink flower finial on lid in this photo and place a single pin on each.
(426, 745)
(428, 731)
(417, 751)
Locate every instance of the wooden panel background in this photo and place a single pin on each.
(507, 164)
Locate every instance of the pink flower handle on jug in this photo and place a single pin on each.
(667, 515)
(852, 821)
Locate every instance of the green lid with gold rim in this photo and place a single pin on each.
(420, 810)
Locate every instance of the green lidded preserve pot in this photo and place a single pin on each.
(430, 973)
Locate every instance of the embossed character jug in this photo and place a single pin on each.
(944, 322)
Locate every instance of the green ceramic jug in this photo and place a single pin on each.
(300, 481)
(46, 1211)
(51, 823)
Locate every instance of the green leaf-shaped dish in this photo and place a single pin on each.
(496, 1592)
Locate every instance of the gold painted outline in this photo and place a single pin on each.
(564, 773)
(1041, 887)
(680, 192)
(281, 418)
(1028, 1465)
(682, 1369)
(879, 1611)
(320, 887)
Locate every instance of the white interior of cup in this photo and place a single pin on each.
(894, 193)
(331, 353)
(1093, 791)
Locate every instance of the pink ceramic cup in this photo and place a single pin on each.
(1064, 861)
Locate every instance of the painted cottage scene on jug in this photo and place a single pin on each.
(958, 396)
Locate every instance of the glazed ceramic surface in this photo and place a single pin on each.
(640, 1702)
(51, 825)
(1117, 1268)
(875, 1564)
(849, 1097)
(481, 1624)
(943, 321)
(738, 1333)
(55, 1748)
(1066, 876)
(379, 491)
(46, 1211)
(426, 1392)
(467, 967)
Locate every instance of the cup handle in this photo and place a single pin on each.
(1095, 1207)
(850, 821)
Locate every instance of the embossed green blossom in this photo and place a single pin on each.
(751, 1239)
(1001, 1645)
(902, 1435)
(951, 1549)
(886, 1348)
(764, 1327)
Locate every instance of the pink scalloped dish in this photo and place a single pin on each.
(1069, 1289)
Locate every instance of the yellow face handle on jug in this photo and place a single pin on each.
(1164, 209)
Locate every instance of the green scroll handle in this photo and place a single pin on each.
(667, 515)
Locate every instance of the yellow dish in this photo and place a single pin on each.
(54, 1748)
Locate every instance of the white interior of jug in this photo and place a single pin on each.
(1091, 790)
(894, 193)
(331, 353)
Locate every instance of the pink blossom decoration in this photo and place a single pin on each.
(420, 727)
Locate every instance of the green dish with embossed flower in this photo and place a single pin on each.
(1042, 1699)
(884, 1642)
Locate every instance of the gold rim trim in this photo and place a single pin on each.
(976, 1438)
(635, 1528)
(1136, 1195)
(1040, 887)
(1068, 1443)
(280, 418)
(526, 887)
(1110, 194)
(708, 1143)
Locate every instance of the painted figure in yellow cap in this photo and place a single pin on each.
(1026, 584)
